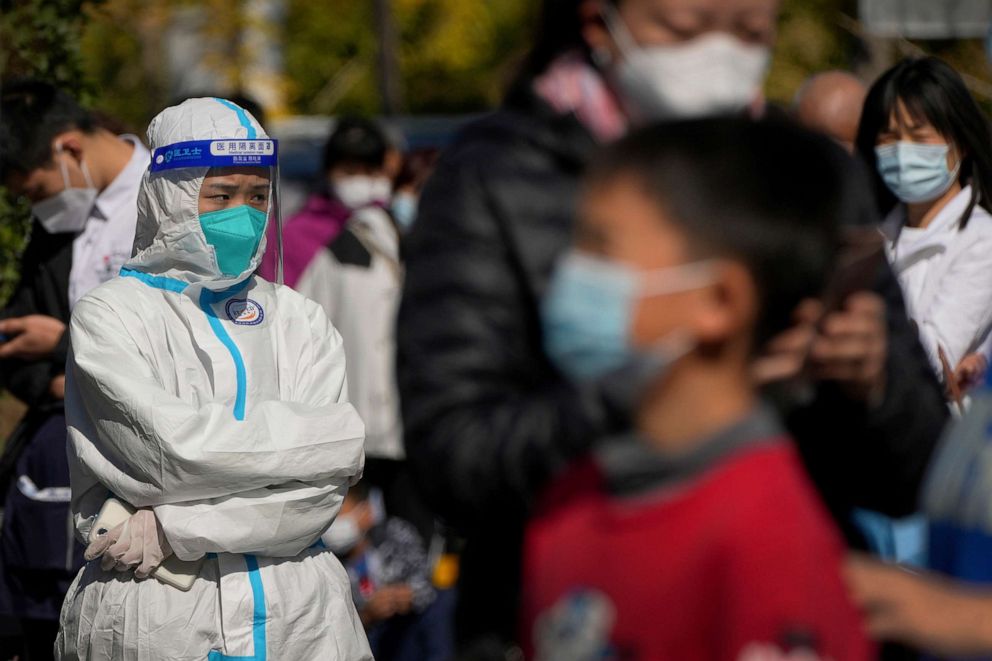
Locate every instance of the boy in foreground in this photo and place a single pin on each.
(698, 536)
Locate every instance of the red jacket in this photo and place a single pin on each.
(719, 555)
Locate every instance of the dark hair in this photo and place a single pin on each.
(933, 91)
(355, 140)
(558, 31)
(32, 113)
(734, 187)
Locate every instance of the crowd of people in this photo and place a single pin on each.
(641, 366)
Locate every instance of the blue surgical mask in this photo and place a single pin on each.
(915, 172)
(588, 310)
(404, 209)
(235, 234)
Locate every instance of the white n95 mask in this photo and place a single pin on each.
(68, 210)
(359, 191)
(343, 535)
(712, 74)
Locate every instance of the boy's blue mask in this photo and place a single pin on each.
(404, 208)
(915, 172)
(235, 234)
(587, 314)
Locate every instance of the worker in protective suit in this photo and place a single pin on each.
(215, 403)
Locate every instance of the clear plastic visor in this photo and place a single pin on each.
(232, 153)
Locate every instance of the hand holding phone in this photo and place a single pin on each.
(172, 571)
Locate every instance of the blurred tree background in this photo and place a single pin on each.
(38, 38)
(453, 56)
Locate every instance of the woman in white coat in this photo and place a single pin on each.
(215, 403)
(931, 150)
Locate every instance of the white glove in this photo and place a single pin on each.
(138, 544)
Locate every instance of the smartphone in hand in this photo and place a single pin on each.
(180, 574)
(861, 255)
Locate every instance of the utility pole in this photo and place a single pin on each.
(388, 63)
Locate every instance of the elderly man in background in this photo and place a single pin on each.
(830, 102)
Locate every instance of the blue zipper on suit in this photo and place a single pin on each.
(207, 298)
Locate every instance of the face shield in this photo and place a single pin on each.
(235, 153)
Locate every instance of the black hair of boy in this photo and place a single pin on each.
(355, 141)
(768, 193)
(934, 92)
(32, 113)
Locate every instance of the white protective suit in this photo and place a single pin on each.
(946, 277)
(221, 403)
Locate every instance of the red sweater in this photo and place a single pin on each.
(736, 558)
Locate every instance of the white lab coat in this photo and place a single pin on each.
(104, 245)
(361, 295)
(946, 277)
(222, 404)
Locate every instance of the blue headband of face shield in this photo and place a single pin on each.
(228, 153)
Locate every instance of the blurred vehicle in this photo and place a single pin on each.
(302, 138)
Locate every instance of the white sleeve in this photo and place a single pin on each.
(961, 314)
(321, 282)
(151, 448)
(277, 521)
(274, 521)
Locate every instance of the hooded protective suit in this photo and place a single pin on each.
(221, 403)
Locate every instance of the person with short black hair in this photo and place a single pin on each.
(82, 181)
(356, 151)
(699, 534)
(352, 179)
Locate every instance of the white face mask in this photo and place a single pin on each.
(68, 210)
(343, 535)
(712, 74)
(358, 191)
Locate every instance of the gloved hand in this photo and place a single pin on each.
(138, 544)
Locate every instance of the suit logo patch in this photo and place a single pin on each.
(244, 312)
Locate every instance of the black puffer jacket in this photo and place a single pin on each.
(487, 418)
